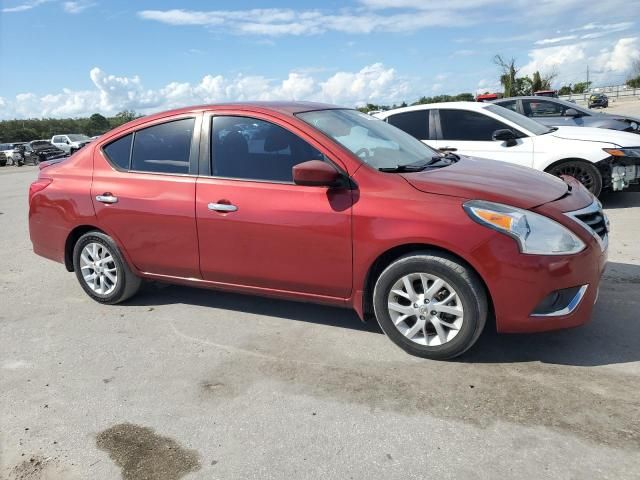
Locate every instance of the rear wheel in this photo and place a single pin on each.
(585, 172)
(101, 269)
(430, 305)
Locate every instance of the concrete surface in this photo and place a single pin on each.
(194, 384)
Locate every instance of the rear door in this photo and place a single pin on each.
(256, 227)
(470, 133)
(143, 192)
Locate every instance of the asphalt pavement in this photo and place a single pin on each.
(196, 384)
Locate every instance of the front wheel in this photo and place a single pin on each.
(430, 305)
(101, 269)
(586, 173)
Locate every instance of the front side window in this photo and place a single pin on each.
(78, 138)
(543, 108)
(415, 123)
(163, 148)
(468, 126)
(253, 149)
(374, 141)
(58, 140)
(510, 104)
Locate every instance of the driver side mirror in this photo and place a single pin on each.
(505, 135)
(572, 112)
(316, 173)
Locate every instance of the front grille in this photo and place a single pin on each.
(595, 221)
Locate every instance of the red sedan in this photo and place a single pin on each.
(324, 204)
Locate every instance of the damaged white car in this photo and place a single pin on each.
(599, 158)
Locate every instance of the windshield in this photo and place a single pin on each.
(75, 137)
(375, 142)
(525, 122)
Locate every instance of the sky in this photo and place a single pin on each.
(74, 58)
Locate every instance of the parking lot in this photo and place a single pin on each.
(218, 385)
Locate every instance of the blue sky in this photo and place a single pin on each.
(71, 58)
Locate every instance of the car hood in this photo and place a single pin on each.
(590, 134)
(483, 179)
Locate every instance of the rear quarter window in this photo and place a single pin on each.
(119, 152)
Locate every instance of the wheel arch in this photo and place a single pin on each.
(72, 238)
(390, 255)
(555, 163)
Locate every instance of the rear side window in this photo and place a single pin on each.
(469, 126)
(118, 152)
(415, 123)
(163, 148)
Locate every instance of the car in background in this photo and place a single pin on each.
(10, 154)
(331, 206)
(598, 100)
(546, 93)
(38, 151)
(600, 159)
(556, 112)
(95, 137)
(71, 142)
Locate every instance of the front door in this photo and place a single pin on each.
(256, 227)
(470, 133)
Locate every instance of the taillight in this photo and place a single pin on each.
(39, 184)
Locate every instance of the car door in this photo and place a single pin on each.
(143, 193)
(416, 123)
(256, 227)
(470, 133)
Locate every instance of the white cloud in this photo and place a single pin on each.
(570, 61)
(23, 7)
(111, 94)
(548, 41)
(76, 7)
(286, 21)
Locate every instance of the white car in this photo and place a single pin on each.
(599, 158)
(71, 142)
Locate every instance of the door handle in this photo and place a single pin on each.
(222, 207)
(448, 149)
(107, 198)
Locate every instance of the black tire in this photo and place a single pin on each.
(127, 283)
(465, 282)
(585, 172)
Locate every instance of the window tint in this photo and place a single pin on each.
(244, 147)
(415, 123)
(510, 104)
(58, 140)
(163, 148)
(119, 151)
(543, 108)
(465, 125)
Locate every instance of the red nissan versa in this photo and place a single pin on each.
(324, 204)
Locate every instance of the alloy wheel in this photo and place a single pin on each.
(425, 309)
(98, 268)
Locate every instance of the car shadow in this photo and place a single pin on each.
(610, 338)
(153, 293)
(619, 200)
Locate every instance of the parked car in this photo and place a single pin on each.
(9, 154)
(599, 159)
(546, 93)
(38, 151)
(556, 112)
(71, 142)
(598, 100)
(332, 206)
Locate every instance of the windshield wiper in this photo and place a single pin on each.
(404, 168)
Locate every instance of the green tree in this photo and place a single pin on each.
(565, 90)
(581, 87)
(508, 76)
(634, 82)
(97, 124)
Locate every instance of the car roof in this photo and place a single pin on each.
(475, 106)
(287, 108)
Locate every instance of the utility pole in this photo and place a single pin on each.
(587, 78)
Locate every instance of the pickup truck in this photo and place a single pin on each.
(70, 142)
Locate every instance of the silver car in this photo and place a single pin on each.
(555, 112)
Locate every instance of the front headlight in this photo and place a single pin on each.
(623, 152)
(535, 234)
